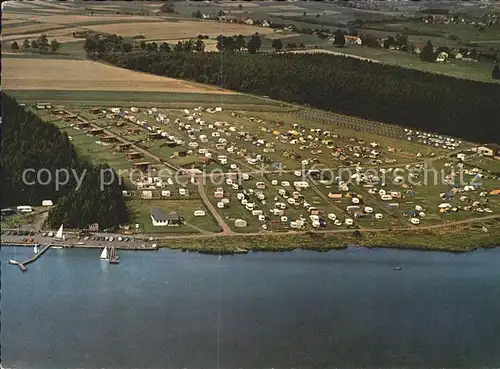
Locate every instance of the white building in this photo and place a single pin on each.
(160, 219)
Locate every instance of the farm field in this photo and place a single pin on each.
(31, 74)
(177, 30)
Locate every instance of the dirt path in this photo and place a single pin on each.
(226, 231)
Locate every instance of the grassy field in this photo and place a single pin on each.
(146, 98)
(140, 211)
(489, 164)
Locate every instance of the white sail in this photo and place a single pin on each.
(59, 233)
(104, 253)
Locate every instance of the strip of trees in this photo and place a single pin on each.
(40, 45)
(28, 143)
(412, 98)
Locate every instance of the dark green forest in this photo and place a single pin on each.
(27, 142)
(411, 98)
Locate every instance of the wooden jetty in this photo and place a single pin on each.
(22, 264)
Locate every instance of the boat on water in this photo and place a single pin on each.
(398, 268)
(113, 257)
(13, 262)
(104, 254)
(56, 247)
(35, 249)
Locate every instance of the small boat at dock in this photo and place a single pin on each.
(13, 262)
(113, 257)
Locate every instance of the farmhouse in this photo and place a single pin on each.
(159, 218)
(108, 139)
(154, 136)
(123, 147)
(83, 125)
(490, 150)
(96, 131)
(133, 130)
(69, 118)
(145, 165)
(133, 155)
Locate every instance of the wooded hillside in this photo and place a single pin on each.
(29, 143)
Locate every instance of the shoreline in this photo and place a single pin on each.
(454, 239)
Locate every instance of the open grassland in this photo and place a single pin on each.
(479, 71)
(485, 163)
(146, 98)
(140, 211)
(33, 74)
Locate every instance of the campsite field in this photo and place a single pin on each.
(416, 184)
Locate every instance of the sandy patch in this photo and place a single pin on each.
(178, 30)
(315, 51)
(53, 74)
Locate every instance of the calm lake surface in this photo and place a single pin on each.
(300, 309)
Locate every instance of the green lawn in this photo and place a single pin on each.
(140, 211)
(118, 98)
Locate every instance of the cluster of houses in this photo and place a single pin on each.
(241, 20)
(489, 19)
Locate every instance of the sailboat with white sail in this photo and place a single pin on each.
(35, 249)
(104, 254)
(59, 235)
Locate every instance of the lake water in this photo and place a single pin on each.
(300, 309)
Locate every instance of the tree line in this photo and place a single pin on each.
(40, 45)
(411, 98)
(29, 143)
